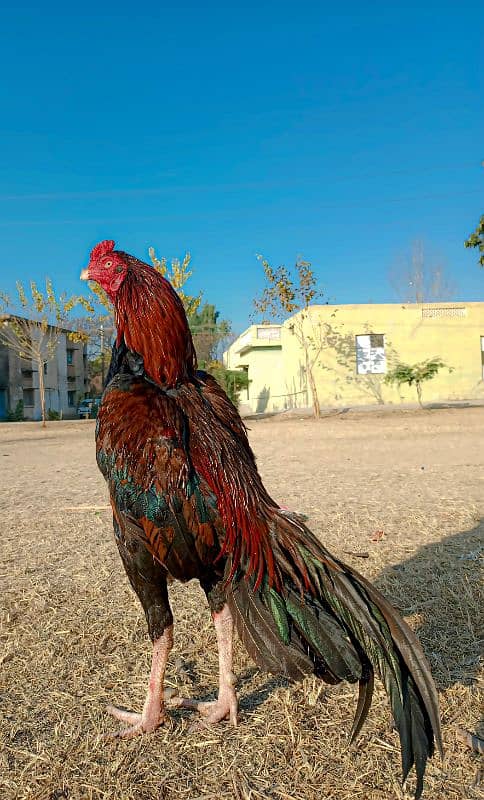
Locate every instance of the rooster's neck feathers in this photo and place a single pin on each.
(151, 319)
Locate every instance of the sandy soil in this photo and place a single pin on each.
(406, 488)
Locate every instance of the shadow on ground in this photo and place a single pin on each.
(454, 404)
(441, 586)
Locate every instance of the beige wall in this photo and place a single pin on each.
(19, 380)
(267, 389)
(412, 333)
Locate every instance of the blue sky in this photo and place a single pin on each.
(340, 132)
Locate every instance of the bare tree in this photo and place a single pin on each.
(36, 336)
(417, 277)
(285, 294)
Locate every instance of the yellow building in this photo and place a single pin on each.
(352, 347)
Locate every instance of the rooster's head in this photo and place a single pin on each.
(107, 267)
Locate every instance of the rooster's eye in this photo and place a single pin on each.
(108, 263)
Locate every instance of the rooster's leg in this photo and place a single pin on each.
(153, 714)
(226, 703)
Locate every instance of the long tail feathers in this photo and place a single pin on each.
(327, 619)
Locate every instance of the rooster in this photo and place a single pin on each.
(188, 502)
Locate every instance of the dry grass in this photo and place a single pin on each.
(73, 636)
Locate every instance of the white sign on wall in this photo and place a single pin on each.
(370, 354)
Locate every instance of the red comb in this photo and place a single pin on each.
(102, 249)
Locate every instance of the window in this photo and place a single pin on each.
(71, 397)
(29, 397)
(370, 354)
(268, 333)
(70, 357)
(482, 355)
(443, 311)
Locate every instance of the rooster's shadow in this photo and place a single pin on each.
(440, 584)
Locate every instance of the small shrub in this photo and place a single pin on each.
(231, 380)
(53, 415)
(416, 374)
(17, 414)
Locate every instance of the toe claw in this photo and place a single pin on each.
(212, 711)
(138, 724)
(123, 714)
(128, 733)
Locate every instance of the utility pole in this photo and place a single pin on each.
(101, 330)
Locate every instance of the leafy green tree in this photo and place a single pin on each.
(232, 381)
(476, 239)
(35, 334)
(289, 293)
(178, 273)
(416, 374)
(208, 332)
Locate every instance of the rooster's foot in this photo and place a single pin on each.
(153, 714)
(225, 707)
(148, 721)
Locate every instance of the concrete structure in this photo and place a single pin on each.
(65, 378)
(353, 347)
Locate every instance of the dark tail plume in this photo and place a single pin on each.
(328, 620)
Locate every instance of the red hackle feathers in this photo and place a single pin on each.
(248, 512)
(151, 318)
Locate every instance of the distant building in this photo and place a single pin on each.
(65, 378)
(358, 345)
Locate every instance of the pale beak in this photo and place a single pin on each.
(85, 274)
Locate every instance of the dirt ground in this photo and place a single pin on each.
(406, 488)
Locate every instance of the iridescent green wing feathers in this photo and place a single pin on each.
(142, 454)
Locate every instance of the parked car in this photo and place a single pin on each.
(88, 407)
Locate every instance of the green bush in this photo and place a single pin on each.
(17, 414)
(416, 374)
(53, 415)
(232, 381)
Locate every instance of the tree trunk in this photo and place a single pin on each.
(42, 391)
(418, 386)
(314, 392)
(312, 385)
